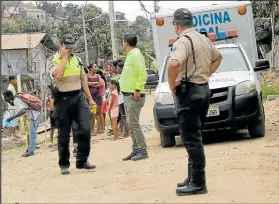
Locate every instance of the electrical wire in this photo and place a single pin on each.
(143, 8)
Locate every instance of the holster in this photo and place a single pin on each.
(54, 92)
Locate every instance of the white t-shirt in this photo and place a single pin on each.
(31, 114)
(120, 98)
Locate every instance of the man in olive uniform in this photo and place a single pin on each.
(188, 82)
(71, 105)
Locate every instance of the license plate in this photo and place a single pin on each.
(213, 110)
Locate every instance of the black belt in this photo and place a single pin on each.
(131, 94)
(195, 84)
(69, 93)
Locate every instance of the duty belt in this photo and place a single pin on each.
(131, 94)
(68, 93)
(195, 84)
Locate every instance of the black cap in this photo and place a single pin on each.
(183, 16)
(68, 41)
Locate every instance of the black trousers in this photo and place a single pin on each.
(191, 111)
(53, 125)
(75, 132)
(70, 107)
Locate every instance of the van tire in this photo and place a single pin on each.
(258, 128)
(167, 140)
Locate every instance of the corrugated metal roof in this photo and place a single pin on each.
(34, 10)
(20, 41)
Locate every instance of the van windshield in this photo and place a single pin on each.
(233, 60)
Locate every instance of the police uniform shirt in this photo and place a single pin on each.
(73, 74)
(205, 53)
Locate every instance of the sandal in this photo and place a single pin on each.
(26, 154)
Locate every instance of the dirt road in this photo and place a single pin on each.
(238, 170)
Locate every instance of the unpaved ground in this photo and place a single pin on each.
(238, 170)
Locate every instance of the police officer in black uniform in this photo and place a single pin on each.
(71, 105)
(193, 59)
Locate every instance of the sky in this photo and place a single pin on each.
(132, 9)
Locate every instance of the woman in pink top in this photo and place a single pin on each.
(102, 93)
(113, 106)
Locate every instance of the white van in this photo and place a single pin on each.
(236, 100)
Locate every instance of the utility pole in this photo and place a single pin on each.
(84, 36)
(156, 6)
(112, 30)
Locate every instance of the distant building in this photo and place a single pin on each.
(55, 21)
(38, 14)
(11, 9)
(121, 21)
(17, 59)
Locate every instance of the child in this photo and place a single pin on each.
(105, 109)
(32, 115)
(113, 106)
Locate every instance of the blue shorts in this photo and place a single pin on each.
(7, 115)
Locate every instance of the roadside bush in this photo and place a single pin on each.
(269, 90)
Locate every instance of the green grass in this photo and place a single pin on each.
(268, 90)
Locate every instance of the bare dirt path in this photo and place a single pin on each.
(238, 170)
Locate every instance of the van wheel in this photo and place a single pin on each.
(258, 128)
(167, 140)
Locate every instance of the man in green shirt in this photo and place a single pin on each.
(132, 83)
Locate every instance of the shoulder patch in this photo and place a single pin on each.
(173, 48)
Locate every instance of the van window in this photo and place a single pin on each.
(166, 68)
(233, 60)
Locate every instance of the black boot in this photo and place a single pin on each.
(197, 185)
(86, 165)
(187, 180)
(142, 154)
(64, 170)
(191, 189)
(129, 157)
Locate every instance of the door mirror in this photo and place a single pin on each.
(261, 65)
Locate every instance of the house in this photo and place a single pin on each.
(54, 21)
(11, 9)
(120, 20)
(33, 13)
(26, 54)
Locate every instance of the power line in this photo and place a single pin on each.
(13, 12)
(144, 9)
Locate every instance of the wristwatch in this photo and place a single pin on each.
(137, 90)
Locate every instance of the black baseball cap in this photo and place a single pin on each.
(183, 16)
(68, 42)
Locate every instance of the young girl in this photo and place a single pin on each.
(113, 106)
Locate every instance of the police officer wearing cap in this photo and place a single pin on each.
(193, 60)
(70, 104)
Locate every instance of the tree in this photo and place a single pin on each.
(266, 16)
(99, 29)
(21, 25)
(141, 27)
(50, 7)
(266, 12)
(72, 13)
